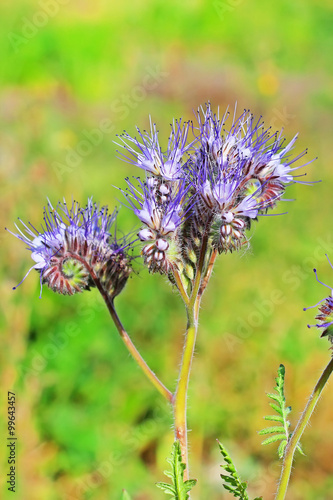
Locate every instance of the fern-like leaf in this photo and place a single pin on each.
(179, 488)
(281, 432)
(231, 481)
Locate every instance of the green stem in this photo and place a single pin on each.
(180, 285)
(125, 337)
(180, 398)
(302, 423)
(205, 281)
(137, 356)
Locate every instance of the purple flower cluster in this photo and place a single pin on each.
(325, 316)
(220, 181)
(161, 202)
(207, 184)
(74, 247)
(237, 173)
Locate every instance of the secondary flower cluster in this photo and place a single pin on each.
(216, 183)
(325, 316)
(75, 249)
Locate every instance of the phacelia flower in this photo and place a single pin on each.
(75, 249)
(161, 218)
(148, 155)
(237, 174)
(325, 316)
(212, 186)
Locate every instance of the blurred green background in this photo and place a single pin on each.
(89, 424)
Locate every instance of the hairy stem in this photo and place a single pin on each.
(137, 356)
(205, 281)
(180, 285)
(126, 338)
(302, 423)
(180, 397)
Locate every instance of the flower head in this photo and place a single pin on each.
(325, 316)
(238, 173)
(227, 177)
(75, 247)
(161, 217)
(148, 154)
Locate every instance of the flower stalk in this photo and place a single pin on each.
(128, 342)
(180, 397)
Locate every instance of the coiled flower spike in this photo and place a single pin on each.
(148, 154)
(237, 174)
(161, 219)
(75, 247)
(325, 316)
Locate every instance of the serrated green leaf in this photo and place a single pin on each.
(274, 439)
(270, 430)
(232, 482)
(279, 405)
(179, 488)
(125, 495)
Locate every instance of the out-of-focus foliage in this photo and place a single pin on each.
(73, 74)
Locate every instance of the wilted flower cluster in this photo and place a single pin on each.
(75, 248)
(215, 184)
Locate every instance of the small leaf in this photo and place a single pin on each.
(281, 448)
(276, 408)
(274, 418)
(299, 448)
(167, 488)
(276, 397)
(274, 439)
(270, 430)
